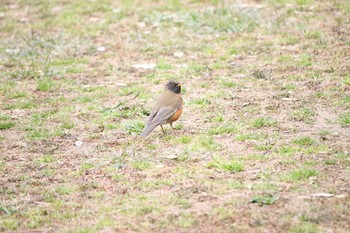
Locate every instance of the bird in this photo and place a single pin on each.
(167, 109)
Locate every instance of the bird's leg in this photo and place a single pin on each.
(162, 128)
(171, 124)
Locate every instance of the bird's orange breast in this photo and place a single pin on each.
(176, 116)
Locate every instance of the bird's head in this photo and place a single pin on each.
(174, 86)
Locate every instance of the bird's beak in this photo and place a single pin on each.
(179, 85)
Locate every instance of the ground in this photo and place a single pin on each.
(262, 145)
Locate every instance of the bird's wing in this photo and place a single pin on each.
(152, 115)
(163, 113)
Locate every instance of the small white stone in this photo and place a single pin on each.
(16, 113)
(141, 24)
(101, 49)
(78, 143)
(145, 66)
(322, 195)
(174, 157)
(12, 51)
(178, 54)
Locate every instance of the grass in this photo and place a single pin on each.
(305, 60)
(186, 221)
(305, 227)
(220, 19)
(46, 159)
(263, 122)
(249, 136)
(131, 90)
(45, 84)
(65, 189)
(152, 184)
(330, 162)
(229, 84)
(263, 200)
(313, 35)
(206, 143)
(346, 80)
(200, 102)
(301, 174)
(236, 185)
(184, 139)
(223, 129)
(134, 127)
(265, 113)
(259, 74)
(345, 119)
(38, 134)
(10, 224)
(20, 104)
(304, 114)
(290, 86)
(141, 165)
(122, 110)
(304, 141)
(346, 99)
(230, 165)
(163, 65)
(6, 125)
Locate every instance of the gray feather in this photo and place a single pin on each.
(159, 115)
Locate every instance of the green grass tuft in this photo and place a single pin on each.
(346, 80)
(264, 200)
(20, 104)
(345, 119)
(141, 165)
(7, 125)
(300, 174)
(306, 227)
(134, 127)
(9, 223)
(225, 19)
(195, 67)
(45, 84)
(230, 166)
(46, 159)
(163, 65)
(38, 134)
(290, 86)
(223, 129)
(66, 189)
(132, 89)
(184, 139)
(346, 99)
(263, 122)
(200, 101)
(330, 162)
(249, 136)
(229, 84)
(305, 60)
(287, 150)
(187, 221)
(304, 114)
(304, 141)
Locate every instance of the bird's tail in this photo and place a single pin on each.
(148, 130)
